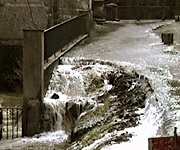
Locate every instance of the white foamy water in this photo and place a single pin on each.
(142, 49)
(37, 142)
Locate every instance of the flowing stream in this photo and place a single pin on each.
(133, 47)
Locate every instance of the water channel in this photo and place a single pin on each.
(135, 48)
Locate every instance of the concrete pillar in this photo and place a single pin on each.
(167, 38)
(177, 18)
(88, 18)
(33, 82)
(88, 21)
(98, 9)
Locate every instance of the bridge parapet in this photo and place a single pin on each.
(60, 35)
(40, 56)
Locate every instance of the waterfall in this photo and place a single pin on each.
(74, 84)
(79, 86)
(72, 81)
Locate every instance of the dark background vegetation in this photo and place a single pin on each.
(11, 68)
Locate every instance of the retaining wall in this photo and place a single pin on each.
(142, 9)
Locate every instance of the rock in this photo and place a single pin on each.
(55, 96)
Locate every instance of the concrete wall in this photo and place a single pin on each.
(143, 9)
(98, 9)
(33, 81)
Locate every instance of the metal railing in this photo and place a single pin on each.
(55, 38)
(10, 123)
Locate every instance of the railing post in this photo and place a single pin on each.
(1, 118)
(167, 38)
(33, 82)
(88, 19)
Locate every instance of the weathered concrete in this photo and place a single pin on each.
(38, 67)
(89, 19)
(33, 81)
(167, 38)
(111, 12)
(98, 9)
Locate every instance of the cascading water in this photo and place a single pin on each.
(88, 80)
(90, 84)
(73, 83)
